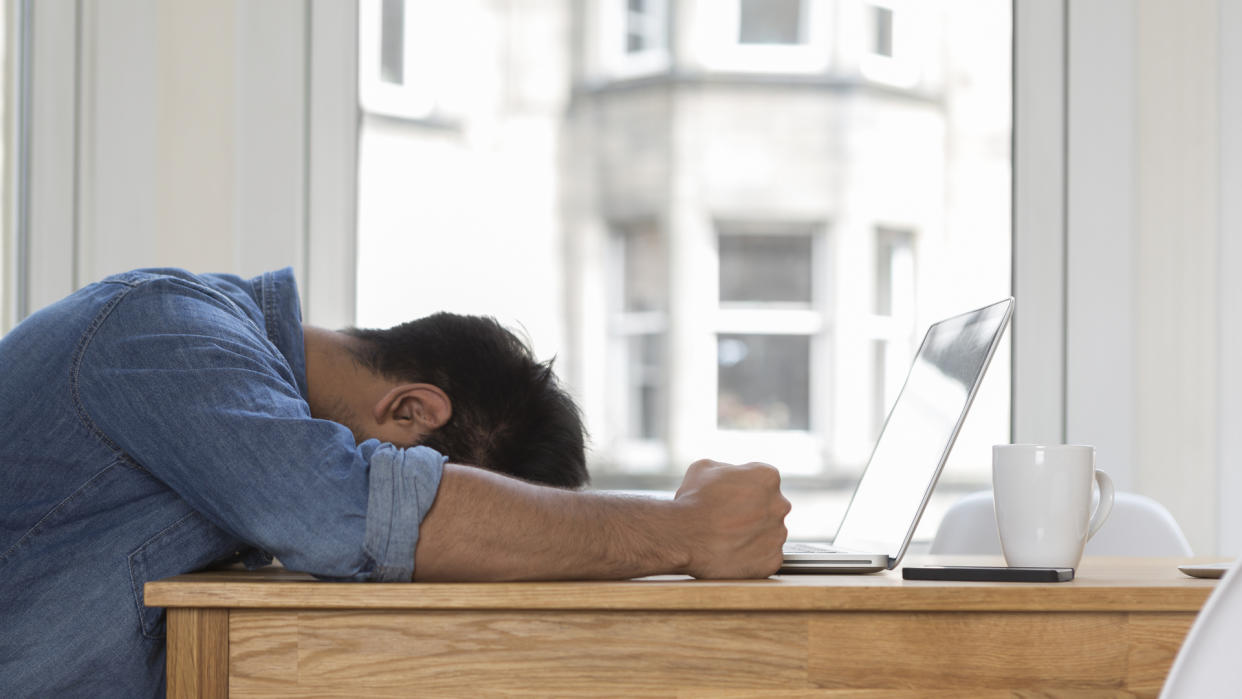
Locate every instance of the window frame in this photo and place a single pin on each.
(14, 231)
(798, 451)
(637, 454)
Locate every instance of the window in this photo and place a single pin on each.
(644, 26)
(764, 367)
(405, 47)
(891, 28)
(894, 324)
(638, 330)
(634, 36)
(725, 262)
(766, 36)
(770, 22)
(764, 382)
(882, 36)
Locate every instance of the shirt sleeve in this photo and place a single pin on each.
(183, 383)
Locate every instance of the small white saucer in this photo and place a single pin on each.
(1206, 570)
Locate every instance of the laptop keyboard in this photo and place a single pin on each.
(809, 548)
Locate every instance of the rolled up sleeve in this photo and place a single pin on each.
(403, 486)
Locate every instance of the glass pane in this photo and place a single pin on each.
(765, 268)
(883, 31)
(764, 382)
(644, 279)
(580, 205)
(894, 274)
(643, 30)
(392, 42)
(646, 380)
(770, 22)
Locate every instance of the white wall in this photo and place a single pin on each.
(179, 134)
(1151, 250)
(193, 128)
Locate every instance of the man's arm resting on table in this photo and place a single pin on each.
(725, 522)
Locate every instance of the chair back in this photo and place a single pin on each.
(1208, 664)
(1137, 526)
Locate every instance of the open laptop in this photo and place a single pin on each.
(912, 449)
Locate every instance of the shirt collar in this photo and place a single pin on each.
(282, 312)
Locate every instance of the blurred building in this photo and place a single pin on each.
(730, 219)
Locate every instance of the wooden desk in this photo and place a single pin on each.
(1115, 629)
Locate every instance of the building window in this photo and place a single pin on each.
(414, 58)
(770, 22)
(638, 326)
(882, 36)
(894, 321)
(895, 53)
(764, 382)
(645, 23)
(634, 36)
(392, 42)
(756, 269)
(767, 321)
(766, 36)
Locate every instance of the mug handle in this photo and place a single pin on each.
(1105, 505)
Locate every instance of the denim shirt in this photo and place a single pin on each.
(156, 423)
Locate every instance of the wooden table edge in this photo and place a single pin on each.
(1152, 585)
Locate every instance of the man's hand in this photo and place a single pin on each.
(733, 519)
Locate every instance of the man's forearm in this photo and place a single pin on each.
(484, 526)
(726, 521)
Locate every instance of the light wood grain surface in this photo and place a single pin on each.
(1114, 631)
(198, 653)
(1101, 584)
(458, 653)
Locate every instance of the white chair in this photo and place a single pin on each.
(1207, 665)
(1137, 526)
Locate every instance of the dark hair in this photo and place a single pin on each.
(510, 413)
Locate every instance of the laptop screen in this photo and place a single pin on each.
(920, 430)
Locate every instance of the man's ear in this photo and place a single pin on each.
(421, 406)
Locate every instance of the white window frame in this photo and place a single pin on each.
(1039, 223)
(331, 285)
(721, 49)
(47, 270)
(13, 232)
(57, 188)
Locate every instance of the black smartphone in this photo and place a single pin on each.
(987, 573)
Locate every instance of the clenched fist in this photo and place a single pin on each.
(732, 519)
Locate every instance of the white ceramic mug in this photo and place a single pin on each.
(1042, 495)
